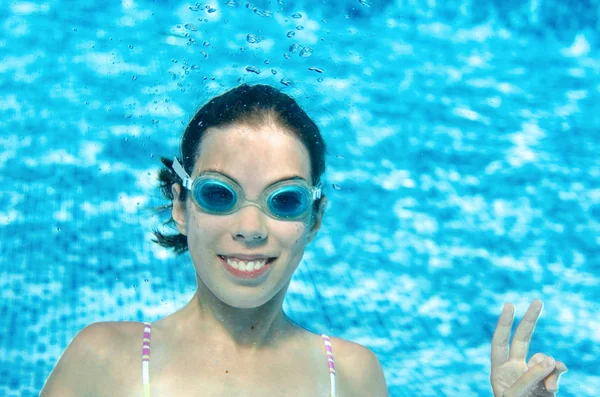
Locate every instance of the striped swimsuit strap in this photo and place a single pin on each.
(146, 360)
(327, 344)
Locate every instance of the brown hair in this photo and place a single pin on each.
(251, 105)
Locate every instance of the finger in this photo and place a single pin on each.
(536, 359)
(561, 367)
(502, 335)
(530, 379)
(520, 343)
(551, 381)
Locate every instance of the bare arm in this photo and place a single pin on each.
(74, 374)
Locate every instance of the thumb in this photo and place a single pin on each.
(531, 378)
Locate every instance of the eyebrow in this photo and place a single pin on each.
(285, 178)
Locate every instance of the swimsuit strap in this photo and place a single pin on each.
(327, 343)
(146, 359)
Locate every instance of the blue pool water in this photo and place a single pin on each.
(463, 172)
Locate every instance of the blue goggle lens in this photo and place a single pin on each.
(288, 201)
(215, 196)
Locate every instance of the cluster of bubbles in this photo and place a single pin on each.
(305, 52)
(302, 51)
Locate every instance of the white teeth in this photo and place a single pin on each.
(246, 265)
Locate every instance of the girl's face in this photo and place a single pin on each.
(255, 158)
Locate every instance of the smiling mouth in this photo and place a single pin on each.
(269, 260)
(248, 265)
(246, 269)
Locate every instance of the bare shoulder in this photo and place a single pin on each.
(358, 370)
(70, 376)
(102, 340)
(87, 358)
(114, 345)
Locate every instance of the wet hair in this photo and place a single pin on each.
(251, 106)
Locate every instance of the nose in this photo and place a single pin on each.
(251, 227)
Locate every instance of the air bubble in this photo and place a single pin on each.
(306, 52)
(253, 69)
(286, 82)
(294, 47)
(263, 13)
(336, 187)
(291, 33)
(296, 15)
(299, 27)
(251, 38)
(273, 71)
(191, 27)
(316, 69)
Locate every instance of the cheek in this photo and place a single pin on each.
(299, 235)
(203, 228)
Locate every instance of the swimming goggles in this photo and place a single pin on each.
(217, 194)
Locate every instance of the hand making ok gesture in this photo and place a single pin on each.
(511, 376)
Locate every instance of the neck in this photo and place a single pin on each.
(243, 331)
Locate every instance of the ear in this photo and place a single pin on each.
(178, 211)
(318, 219)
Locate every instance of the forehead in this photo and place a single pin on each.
(254, 155)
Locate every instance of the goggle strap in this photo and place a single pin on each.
(179, 170)
(317, 192)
